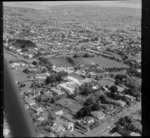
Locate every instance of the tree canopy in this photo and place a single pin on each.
(113, 89)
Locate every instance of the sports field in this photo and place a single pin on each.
(100, 61)
(86, 61)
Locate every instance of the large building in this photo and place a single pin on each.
(72, 79)
(68, 87)
(57, 91)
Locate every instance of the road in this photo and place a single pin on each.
(8, 52)
(108, 125)
(16, 55)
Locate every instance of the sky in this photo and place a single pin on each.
(46, 4)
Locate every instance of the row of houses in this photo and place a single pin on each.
(104, 54)
(19, 51)
(16, 65)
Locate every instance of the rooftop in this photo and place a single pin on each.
(59, 92)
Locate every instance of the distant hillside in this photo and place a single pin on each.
(19, 43)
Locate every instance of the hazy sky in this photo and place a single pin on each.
(41, 5)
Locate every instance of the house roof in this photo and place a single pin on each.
(134, 134)
(115, 134)
(59, 92)
(70, 86)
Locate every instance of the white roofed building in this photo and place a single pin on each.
(69, 78)
(68, 87)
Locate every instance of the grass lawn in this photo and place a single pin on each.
(60, 62)
(70, 104)
(19, 75)
(100, 61)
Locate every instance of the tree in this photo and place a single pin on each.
(125, 125)
(52, 100)
(43, 60)
(26, 71)
(120, 77)
(62, 74)
(70, 60)
(95, 107)
(44, 123)
(125, 133)
(75, 56)
(132, 92)
(113, 89)
(79, 114)
(34, 63)
(46, 98)
(128, 119)
(136, 127)
(106, 86)
(44, 70)
(76, 68)
(138, 97)
(85, 111)
(90, 101)
(86, 55)
(97, 77)
(22, 85)
(126, 99)
(130, 83)
(50, 79)
(111, 75)
(102, 98)
(85, 89)
(125, 57)
(117, 82)
(114, 95)
(38, 99)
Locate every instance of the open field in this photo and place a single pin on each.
(70, 104)
(100, 61)
(19, 75)
(86, 61)
(60, 62)
(8, 56)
